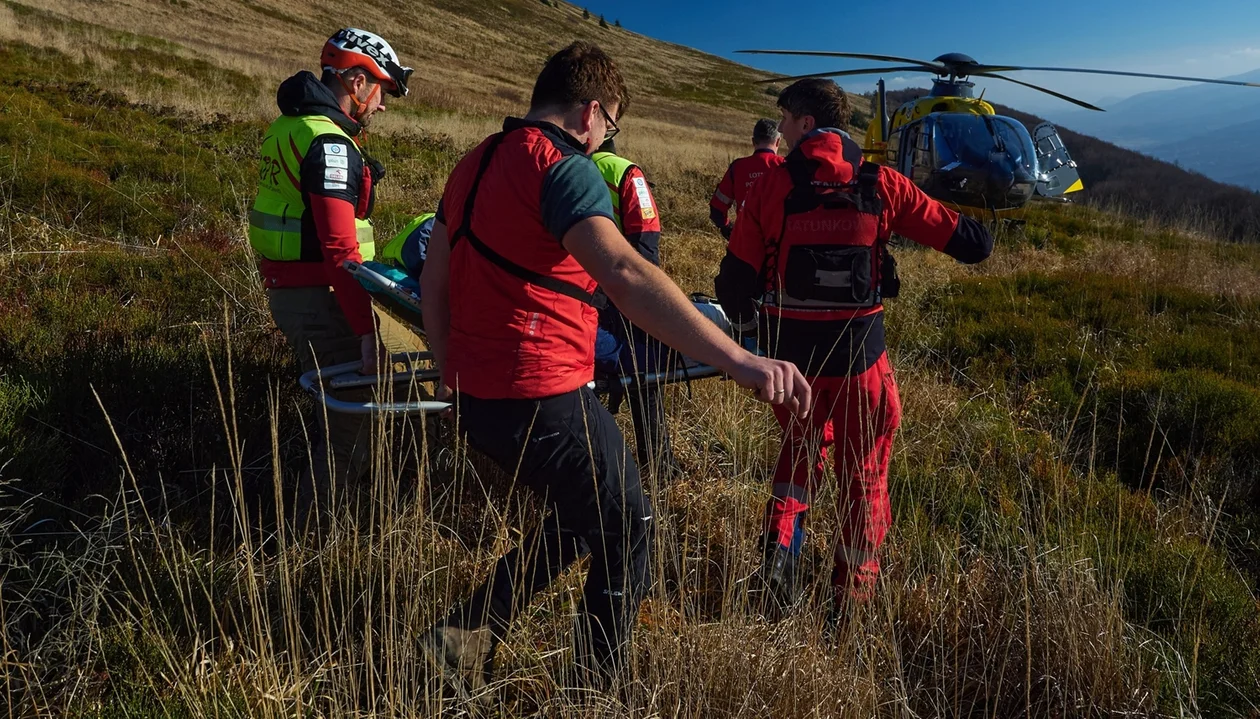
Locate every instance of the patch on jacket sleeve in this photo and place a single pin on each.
(645, 198)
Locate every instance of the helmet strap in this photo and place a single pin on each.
(356, 104)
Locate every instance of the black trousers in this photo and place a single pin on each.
(569, 451)
(653, 451)
(643, 354)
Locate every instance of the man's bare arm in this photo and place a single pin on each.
(649, 299)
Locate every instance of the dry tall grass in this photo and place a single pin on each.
(260, 623)
(477, 58)
(256, 622)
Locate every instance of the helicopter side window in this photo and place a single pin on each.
(910, 138)
(923, 149)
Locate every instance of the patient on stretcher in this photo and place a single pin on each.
(619, 350)
(402, 258)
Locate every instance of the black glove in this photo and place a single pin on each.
(726, 231)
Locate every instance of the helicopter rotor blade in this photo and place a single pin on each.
(842, 73)
(1038, 88)
(980, 68)
(931, 65)
(1120, 73)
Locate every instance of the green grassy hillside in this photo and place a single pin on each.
(1075, 483)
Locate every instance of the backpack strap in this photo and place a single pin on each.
(465, 227)
(868, 192)
(868, 189)
(568, 289)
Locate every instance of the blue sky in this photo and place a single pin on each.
(1208, 38)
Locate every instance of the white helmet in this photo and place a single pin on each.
(352, 47)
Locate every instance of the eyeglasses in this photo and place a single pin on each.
(612, 130)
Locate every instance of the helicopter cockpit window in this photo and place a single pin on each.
(973, 139)
(1017, 141)
(964, 139)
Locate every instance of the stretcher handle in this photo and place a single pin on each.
(354, 380)
(313, 383)
(678, 375)
(412, 360)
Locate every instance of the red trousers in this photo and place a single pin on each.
(857, 417)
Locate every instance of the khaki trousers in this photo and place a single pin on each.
(319, 335)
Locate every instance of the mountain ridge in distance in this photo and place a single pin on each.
(1201, 127)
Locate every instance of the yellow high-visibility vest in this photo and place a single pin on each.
(614, 169)
(392, 252)
(275, 222)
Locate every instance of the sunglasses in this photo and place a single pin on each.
(612, 130)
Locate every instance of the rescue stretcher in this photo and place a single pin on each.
(413, 373)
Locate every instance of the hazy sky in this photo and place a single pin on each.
(1208, 38)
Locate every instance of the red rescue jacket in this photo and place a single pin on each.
(740, 176)
(810, 250)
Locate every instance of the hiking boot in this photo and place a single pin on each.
(778, 568)
(461, 658)
(778, 584)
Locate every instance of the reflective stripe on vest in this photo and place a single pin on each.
(614, 169)
(275, 222)
(272, 223)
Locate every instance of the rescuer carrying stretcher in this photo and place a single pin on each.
(808, 269)
(316, 189)
(621, 350)
(523, 235)
(620, 347)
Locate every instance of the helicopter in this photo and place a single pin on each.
(955, 146)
